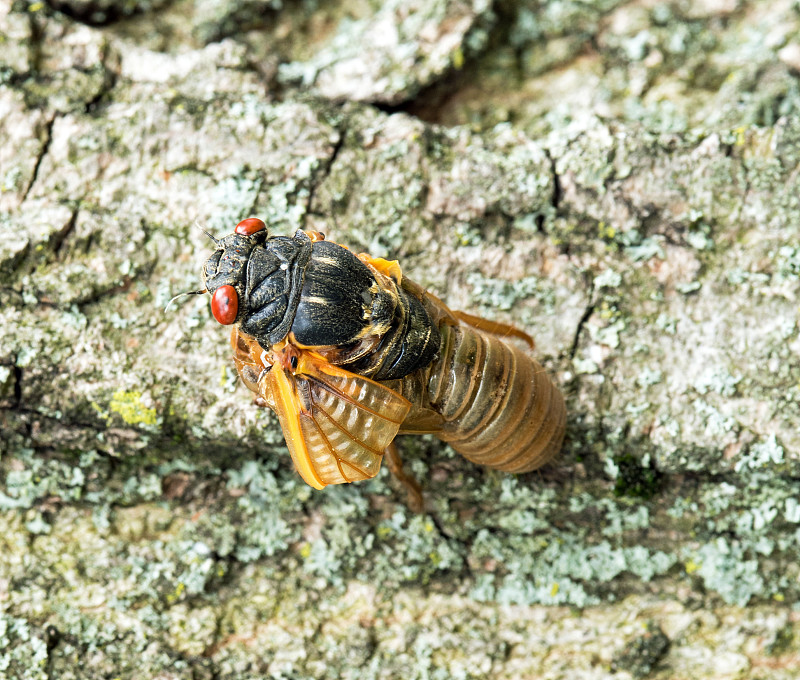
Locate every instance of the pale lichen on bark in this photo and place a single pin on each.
(617, 178)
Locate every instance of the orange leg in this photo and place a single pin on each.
(392, 269)
(495, 327)
(415, 501)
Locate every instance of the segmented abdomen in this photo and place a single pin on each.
(500, 407)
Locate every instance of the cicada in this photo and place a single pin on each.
(349, 353)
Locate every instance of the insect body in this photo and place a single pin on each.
(349, 353)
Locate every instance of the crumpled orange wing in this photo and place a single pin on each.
(337, 424)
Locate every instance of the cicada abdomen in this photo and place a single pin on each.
(499, 406)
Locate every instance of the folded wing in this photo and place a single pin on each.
(337, 424)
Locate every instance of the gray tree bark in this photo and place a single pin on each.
(618, 179)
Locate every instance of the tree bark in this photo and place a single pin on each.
(619, 180)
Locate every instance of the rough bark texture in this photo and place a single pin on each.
(620, 179)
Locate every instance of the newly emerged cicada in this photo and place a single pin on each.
(349, 354)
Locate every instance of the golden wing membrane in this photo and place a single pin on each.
(337, 424)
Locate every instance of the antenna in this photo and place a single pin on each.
(202, 228)
(194, 292)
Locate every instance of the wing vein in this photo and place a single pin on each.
(350, 436)
(336, 456)
(350, 400)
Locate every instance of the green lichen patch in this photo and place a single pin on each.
(131, 409)
(23, 650)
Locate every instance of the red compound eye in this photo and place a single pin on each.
(225, 305)
(250, 226)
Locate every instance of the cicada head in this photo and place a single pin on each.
(255, 280)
